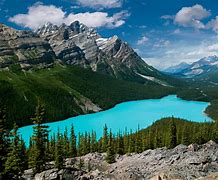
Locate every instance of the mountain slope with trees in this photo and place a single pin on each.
(66, 91)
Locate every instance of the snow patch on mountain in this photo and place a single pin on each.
(202, 66)
(150, 78)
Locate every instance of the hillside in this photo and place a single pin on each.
(72, 70)
(66, 91)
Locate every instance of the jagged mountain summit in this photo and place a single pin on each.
(80, 45)
(202, 67)
(177, 68)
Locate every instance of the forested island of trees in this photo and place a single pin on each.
(15, 157)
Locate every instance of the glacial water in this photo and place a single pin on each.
(129, 115)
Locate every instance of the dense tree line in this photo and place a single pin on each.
(59, 87)
(15, 157)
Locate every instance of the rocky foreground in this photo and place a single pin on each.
(182, 162)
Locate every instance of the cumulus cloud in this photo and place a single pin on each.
(101, 3)
(142, 40)
(213, 24)
(39, 14)
(212, 48)
(190, 16)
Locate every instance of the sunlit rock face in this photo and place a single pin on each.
(80, 45)
(24, 48)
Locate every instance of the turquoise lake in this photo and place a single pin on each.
(129, 115)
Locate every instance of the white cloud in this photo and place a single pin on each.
(142, 40)
(213, 48)
(162, 43)
(39, 14)
(180, 51)
(213, 24)
(167, 17)
(101, 3)
(190, 16)
(98, 19)
(177, 31)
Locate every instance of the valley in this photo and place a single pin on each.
(120, 118)
(60, 85)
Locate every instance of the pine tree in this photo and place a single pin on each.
(40, 137)
(23, 153)
(3, 142)
(215, 131)
(15, 163)
(105, 139)
(73, 149)
(79, 145)
(110, 157)
(66, 144)
(131, 148)
(138, 142)
(158, 140)
(185, 136)
(126, 141)
(93, 146)
(59, 157)
(88, 143)
(172, 135)
(120, 144)
(150, 139)
(51, 145)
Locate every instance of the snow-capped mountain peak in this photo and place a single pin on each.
(202, 66)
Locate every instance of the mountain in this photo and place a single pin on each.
(72, 70)
(203, 67)
(24, 48)
(177, 68)
(76, 45)
(80, 45)
(66, 91)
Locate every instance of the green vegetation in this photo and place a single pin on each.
(168, 132)
(38, 156)
(16, 161)
(110, 158)
(61, 88)
(172, 135)
(201, 91)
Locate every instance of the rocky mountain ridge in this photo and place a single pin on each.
(201, 67)
(182, 162)
(77, 45)
(24, 48)
(177, 68)
(80, 45)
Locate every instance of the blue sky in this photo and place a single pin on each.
(163, 33)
